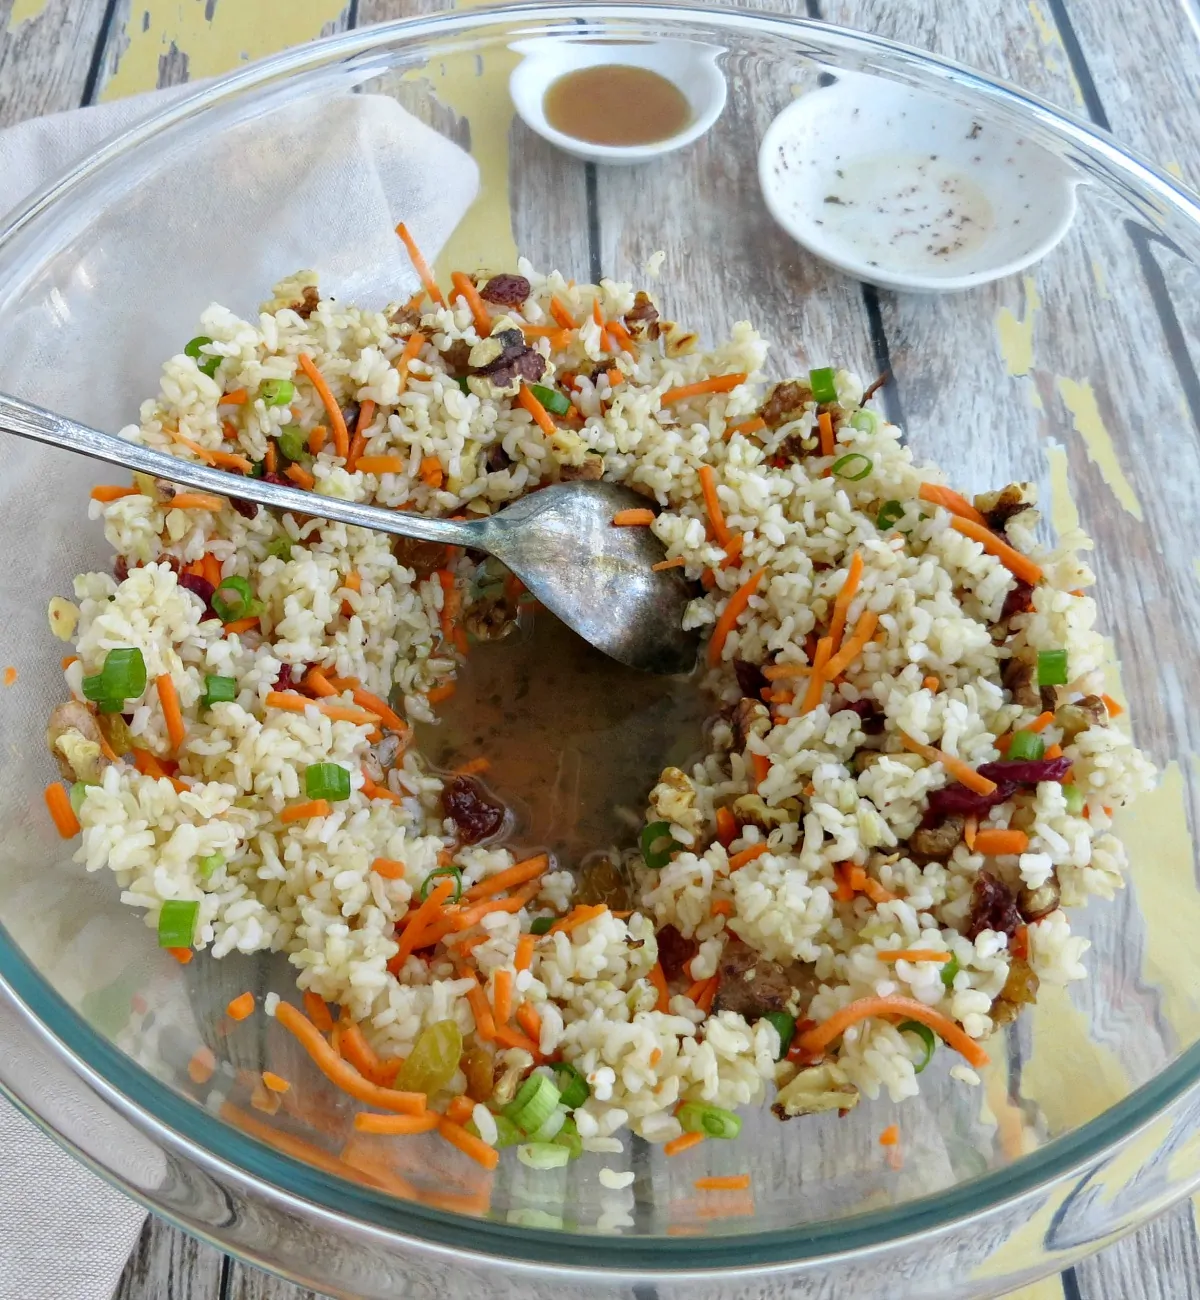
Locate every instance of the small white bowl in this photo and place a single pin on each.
(689, 65)
(907, 191)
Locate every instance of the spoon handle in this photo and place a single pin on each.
(36, 423)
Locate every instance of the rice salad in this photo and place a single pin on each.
(911, 771)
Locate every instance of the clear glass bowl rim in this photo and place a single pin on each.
(197, 1137)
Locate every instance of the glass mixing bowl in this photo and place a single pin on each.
(1077, 374)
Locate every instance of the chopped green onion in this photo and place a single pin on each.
(95, 689)
(822, 385)
(277, 392)
(211, 864)
(949, 970)
(709, 1120)
(571, 1084)
(551, 1128)
(177, 923)
(533, 1104)
(854, 467)
(543, 1155)
(122, 677)
(1026, 746)
(442, 873)
(554, 401)
(891, 512)
(77, 794)
(232, 599)
(786, 1026)
(326, 781)
(1074, 798)
(927, 1037)
(111, 706)
(568, 1136)
(541, 924)
(865, 421)
(507, 1133)
(204, 361)
(219, 690)
(655, 853)
(292, 442)
(1052, 667)
(462, 383)
(281, 548)
(258, 468)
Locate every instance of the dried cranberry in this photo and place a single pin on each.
(674, 952)
(272, 477)
(120, 568)
(992, 907)
(1017, 600)
(958, 799)
(290, 677)
(1029, 772)
(473, 811)
(247, 509)
(508, 290)
(201, 587)
(872, 720)
(750, 678)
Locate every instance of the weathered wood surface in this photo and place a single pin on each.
(1136, 71)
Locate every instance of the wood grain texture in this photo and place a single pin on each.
(46, 53)
(167, 1264)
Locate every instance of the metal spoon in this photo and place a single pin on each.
(560, 541)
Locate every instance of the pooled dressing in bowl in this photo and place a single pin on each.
(616, 104)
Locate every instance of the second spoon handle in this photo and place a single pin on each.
(36, 423)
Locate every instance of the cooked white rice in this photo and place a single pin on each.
(307, 888)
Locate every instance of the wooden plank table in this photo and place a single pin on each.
(1136, 72)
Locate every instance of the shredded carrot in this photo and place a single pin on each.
(147, 764)
(723, 1183)
(561, 314)
(440, 693)
(696, 988)
(68, 660)
(633, 518)
(733, 551)
(614, 377)
(181, 955)
(760, 765)
(734, 608)
(727, 827)
(578, 916)
(459, 1110)
(1016, 563)
(950, 500)
(229, 431)
(618, 331)
(708, 485)
(995, 843)
(316, 438)
(380, 464)
(202, 1066)
(168, 697)
(112, 492)
(970, 830)
(1053, 751)
(318, 1012)
(359, 1053)
(195, 501)
(339, 1072)
(524, 957)
(739, 860)
(241, 625)
(241, 1006)
(368, 1122)
(962, 772)
(468, 1144)
(420, 265)
(705, 1000)
(271, 458)
(302, 811)
(1020, 943)
(416, 341)
(718, 384)
(931, 684)
(816, 682)
(677, 563)
(817, 1039)
(684, 1142)
(366, 413)
(337, 422)
(431, 472)
(1040, 723)
(530, 1021)
(890, 1136)
(10, 677)
(864, 884)
(427, 911)
(659, 980)
(300, 476)
(383, 711)
(507, 1036)
(318, 684)
(466, 289)
(721, 907)
(841, 604)
(388, 868)
(210, 569)
(485, 1025)
(844, 890)
(473, 766)
(912, 954)
(541, 416)
(296, 703)
(746, 426)
(502, 991)
(1114, 709)
(509, 878)
(825, 433)
(864, 630)
(776, 672)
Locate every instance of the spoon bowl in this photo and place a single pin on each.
(561, 542)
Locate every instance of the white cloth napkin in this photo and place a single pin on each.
(315, 183)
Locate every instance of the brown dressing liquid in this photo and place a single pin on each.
(613, 104)
(575, 740)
